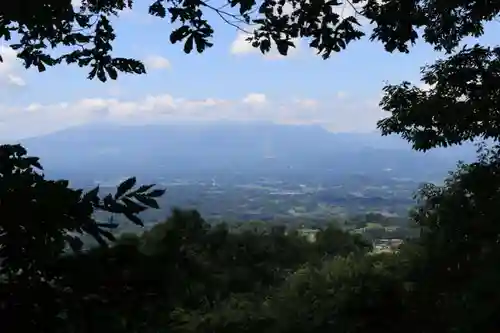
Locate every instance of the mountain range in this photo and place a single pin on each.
(105, 151)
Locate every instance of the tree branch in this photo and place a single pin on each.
(353, 7)
(223, 15)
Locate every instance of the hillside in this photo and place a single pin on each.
(107, 152)
(249, 171)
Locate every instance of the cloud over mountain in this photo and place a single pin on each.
(338, 113)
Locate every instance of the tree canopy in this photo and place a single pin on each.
(34, 27)
(40, 221)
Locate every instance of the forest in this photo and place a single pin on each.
(186, 275)
(189, 275)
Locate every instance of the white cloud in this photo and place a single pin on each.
(341, 95)
(334, 114)
(240, 46)
(255, 99)
(157, 62)
(15, 80)
(307, 103)
(10, 68)
(424, 86)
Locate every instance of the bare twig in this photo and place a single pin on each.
(223, 15)
(223, 6)
(353, 7)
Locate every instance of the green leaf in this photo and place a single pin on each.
(113, 74)
(125, 186)
(107, 234)
(200, 43)
(134, 219)
(147, 201)
(16, 46)
(246, 5)
(157, 9)
(75, 243)
(133, 207)
(63, 183)
(101, 75)
(156, 193)
(91, 195)
(179, 34)
(92, 73)
(108, 200)
(282, 47)
(116, 207)
(265, 45)
(144, 188)
(33, 161)
(41, 67)
(188, 46)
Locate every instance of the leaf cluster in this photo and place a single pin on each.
(40, 218)
(85, 34)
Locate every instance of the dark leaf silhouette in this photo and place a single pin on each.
(125, 186)
(156, 193)
(133, 218)
(88, 35)
(147, 201)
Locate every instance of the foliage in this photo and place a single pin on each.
(41, 219)
(187, 275)
(461, 104)
(88, 33)
(351, 294)
(190, 268)
(461, 248)
(333, 240)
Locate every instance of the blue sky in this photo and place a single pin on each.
(229, 81)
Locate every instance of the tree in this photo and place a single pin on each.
(334, 241)
(348, 294)
(198, 276)
(459, 102)
(88, 32)
(456, 287)
(40, 221)
(461, 105)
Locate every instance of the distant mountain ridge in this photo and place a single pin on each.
(246, 147)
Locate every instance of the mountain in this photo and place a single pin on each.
(106, 151)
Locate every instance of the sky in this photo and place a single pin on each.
(230, 81)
